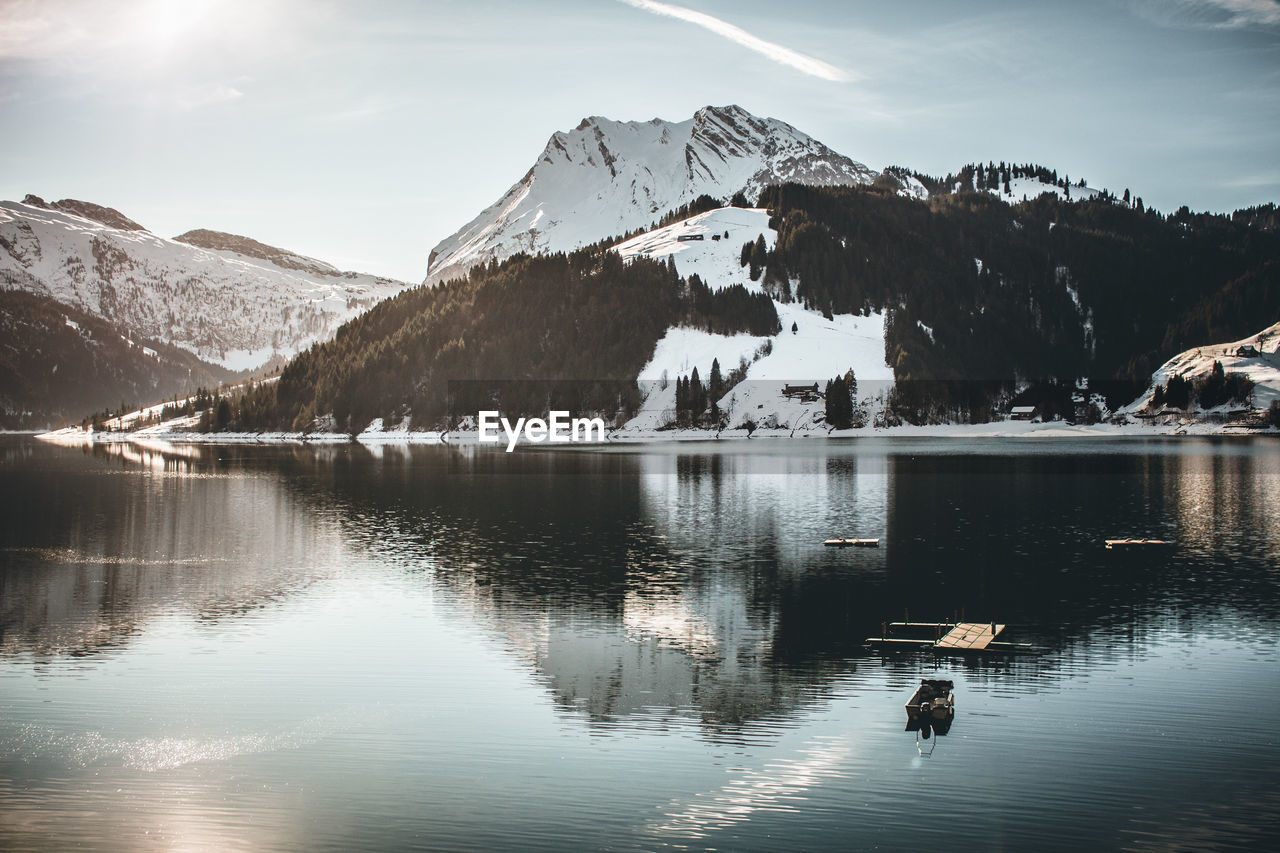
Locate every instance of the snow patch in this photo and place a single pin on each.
(714, 258)
(1236, 357)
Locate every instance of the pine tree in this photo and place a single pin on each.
(697, 397)
(839, 408)
(715, 389)
(759, 256)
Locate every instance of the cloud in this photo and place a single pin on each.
(1216, 14)
(1253, 181)
(218, 94)
(737, 35)
(1243, 13)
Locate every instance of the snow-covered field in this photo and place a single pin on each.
(1026, 189)
(1196, 364)
(818, 350)
(716, 257)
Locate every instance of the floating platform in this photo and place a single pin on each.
(852, 543)
(969, 637)
(1132, 543)
(954, 638)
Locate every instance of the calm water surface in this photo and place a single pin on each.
(346, 648)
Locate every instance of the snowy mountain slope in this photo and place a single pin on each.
(608, 177)
(230, 300)
(714, 257)
(1196, 364)
(816, 351)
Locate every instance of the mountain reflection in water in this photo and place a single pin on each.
(419, 607)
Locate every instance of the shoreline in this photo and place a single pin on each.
(75, 436)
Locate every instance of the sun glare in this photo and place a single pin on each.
(164, 24)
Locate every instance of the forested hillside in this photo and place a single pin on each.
(560, 331)
(978, 290)
(983, 300)
(58, 363)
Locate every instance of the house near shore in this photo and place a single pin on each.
(804, 393)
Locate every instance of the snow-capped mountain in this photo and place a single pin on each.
(230, 300)
(609, 177)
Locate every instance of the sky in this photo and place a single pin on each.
(363, 133)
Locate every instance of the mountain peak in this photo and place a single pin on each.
(607, 177)
(108, 216)
(223, 242)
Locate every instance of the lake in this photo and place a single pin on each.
(636, 648)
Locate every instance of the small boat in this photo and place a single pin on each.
(852, 543)
(933, 698)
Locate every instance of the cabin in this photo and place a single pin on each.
(1247, 351)
(1022, 413)
(686, 238)
(807, 393)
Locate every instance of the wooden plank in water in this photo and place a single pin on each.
(896, 641)
(1132, 543)
(970, 636)
(852, 543)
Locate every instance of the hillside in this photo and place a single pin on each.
(569, 331)
(1206, 380)
(58, 364)
(983, 298)
(227, 299)
(709, 246)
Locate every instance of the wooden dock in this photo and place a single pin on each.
(953, 638)
(969, 636)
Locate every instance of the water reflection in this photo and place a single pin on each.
(638, 583)
(95, 548)
(650, 645)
